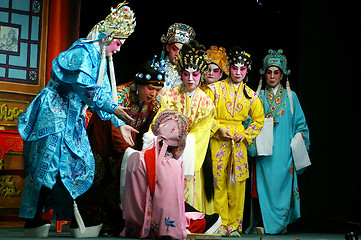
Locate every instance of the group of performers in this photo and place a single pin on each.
(165, 154)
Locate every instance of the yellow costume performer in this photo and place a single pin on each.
(233, 102)
(199, 110)
(216, 56)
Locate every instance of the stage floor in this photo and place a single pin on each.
(17, 233)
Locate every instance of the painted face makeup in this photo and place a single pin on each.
(273, 76)
(238, 72)
(191, 78)
(114, 47)
(214, 73)
(173, 51)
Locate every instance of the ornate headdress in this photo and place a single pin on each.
(238, 55)
(192, 55)
(178, 33)
(171, 127)
(218, 56)
(120, 23)
(151, 72)
(275, 59)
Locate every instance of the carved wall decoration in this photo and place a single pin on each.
(7, 187)
(10, 110)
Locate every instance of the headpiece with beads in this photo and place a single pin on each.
(178, 33)
(275, 59)
(192, 55)
(238, 55)
(120, 23)
(151, 72)
(218, 56)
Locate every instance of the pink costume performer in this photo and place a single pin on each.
(153, 203)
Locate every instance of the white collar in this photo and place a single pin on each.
(190, 94)
(236, 85)
(275, 89)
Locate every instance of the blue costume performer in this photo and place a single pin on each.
(177, 35)
(275, 171)
(57, 154)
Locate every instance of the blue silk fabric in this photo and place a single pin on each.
(53, 127)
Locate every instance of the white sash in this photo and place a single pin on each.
(264, 140)
(299, 152)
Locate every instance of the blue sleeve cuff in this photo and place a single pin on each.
(116, 121)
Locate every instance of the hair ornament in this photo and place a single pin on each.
(151, 72)
(238, 55)
(120, 23)
(192, 55)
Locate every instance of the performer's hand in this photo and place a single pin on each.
(126, 132)
(238, 137)
(224, 133)
(121, 114)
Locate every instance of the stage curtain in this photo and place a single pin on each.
(63, 28)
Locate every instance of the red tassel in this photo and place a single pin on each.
(254, 193)
(48, 216)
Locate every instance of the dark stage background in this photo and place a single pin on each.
(319, 39)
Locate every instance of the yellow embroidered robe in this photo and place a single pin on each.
(199, 111)
(232, 109)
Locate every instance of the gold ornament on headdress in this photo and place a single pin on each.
(192, 57)
(219, 56)
(120, 23)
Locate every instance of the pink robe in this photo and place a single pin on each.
(159, 213)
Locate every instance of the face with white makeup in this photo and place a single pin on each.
(238, 72)
(191, 78)
(214, 73)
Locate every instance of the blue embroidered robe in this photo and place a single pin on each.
(53, 127)
(277, 185)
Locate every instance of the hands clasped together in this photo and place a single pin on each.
(224, 133)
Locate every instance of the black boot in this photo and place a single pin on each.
(37, 227)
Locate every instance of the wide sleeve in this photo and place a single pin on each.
(257, 120)
(77, 69)
(201, 132)
(211, 91)
(299, 122)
